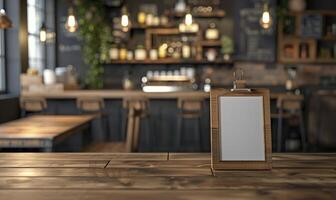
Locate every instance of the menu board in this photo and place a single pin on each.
(253, 42)
(242, 128)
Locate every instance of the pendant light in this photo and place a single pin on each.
(43, 33)
(5, 22)
(266, 18)
(71, 23)
(125, 22)
(188, 24)
(188, 19)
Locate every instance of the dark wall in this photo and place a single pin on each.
(321, 5)
(9, 103)
(9, 108)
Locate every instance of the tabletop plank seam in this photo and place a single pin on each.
(108, 162)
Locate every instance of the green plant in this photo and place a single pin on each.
(227, 45)
(282, 9)
(96, 34)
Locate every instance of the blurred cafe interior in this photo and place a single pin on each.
(167, 99)
(135, 76)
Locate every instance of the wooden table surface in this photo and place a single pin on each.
(163, 176)
(42, 126)
(41, 131)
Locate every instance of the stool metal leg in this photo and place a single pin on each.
(302, 132)
(200, 134)
(179, 133)
(279, 134)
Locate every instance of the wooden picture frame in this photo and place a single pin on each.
(216, 147)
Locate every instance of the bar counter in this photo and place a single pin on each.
(161, 176)
(119, 94)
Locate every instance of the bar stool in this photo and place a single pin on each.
(289, 108)
(137, 111)
(32, 105)
(94, 105)
(189, 108)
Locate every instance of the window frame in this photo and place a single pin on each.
(3, 69)
(43, 56)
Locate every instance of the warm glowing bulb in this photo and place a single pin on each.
(43, 35)
(71, 22)
(124, 20)
(188, 19)
(2, 11)
(266, 18)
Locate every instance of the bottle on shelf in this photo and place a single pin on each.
(123, 53)
(186, 49)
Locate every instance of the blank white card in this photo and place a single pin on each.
(242, 128)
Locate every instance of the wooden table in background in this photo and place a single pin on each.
(163, 176)
(41, 131)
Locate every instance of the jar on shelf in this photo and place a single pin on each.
(140, 53)
(149, 19)
(142, 18)
(123, 53)
(156, 21)
(212, 32)
(163, 50)
(114, 53)
(164, 20)
(130, 55)
(211, 54)
(153, 54)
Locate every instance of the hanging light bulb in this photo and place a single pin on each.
(125, 23)
(188, 19)
(5, 22)
(188, 24)
(266, 18)
(71, 23)
(43, 33)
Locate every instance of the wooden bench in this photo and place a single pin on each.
(41, 131)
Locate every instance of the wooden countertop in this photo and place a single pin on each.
(161, 176)
(119, 94)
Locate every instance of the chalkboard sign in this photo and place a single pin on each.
(69, 49)
(253, 42)
(311, 26)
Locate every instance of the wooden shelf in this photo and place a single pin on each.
(295, 41)
(168, 61)
(308, 61)
(211, 43)
(144, 27)
(317, 12)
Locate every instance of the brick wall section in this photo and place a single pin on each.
(270, 75)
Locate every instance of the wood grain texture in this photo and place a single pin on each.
(259, 194)
(161, 176)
